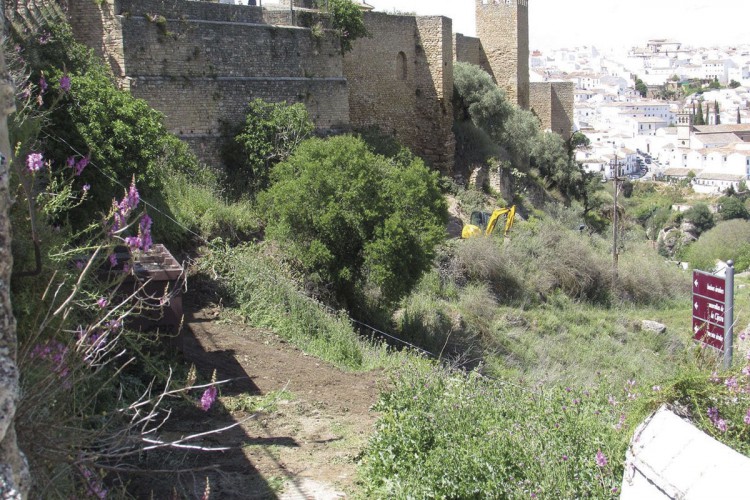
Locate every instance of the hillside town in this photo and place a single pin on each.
(664, 110)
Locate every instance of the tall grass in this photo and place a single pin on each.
(266, 294)
(199, 208)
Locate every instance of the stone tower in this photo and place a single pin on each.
(684, 127)
(503, 28)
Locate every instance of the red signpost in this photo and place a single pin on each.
(712, 310)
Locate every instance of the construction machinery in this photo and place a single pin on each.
(485, 222)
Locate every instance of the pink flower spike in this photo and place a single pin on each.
(747, 417)
(601, 460)
(208, 398)
(102, 302)
(82, 163)
(34, 162)
(65, 83)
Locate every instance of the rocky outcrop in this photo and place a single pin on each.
(672, 238)
(13, 469)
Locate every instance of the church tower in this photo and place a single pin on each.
(503, 28)
(684, 128)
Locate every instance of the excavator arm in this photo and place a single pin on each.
(510, 214)
(488, 221)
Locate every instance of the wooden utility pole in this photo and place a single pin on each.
(615, 221)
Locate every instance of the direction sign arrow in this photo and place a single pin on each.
(709, 285)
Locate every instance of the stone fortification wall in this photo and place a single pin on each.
(552, 102)
(563, 112)
(469, 49)
(503, 27)
(540, 102)
(401, 80)
(200, 63)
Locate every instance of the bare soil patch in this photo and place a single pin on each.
(303, 444)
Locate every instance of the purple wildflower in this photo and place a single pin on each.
(713, 414)
(721, 425)
(42, 85)
(208, 398)
(731, 384)
(145, 233)
(102, 302)
(65, 83)
(656, 388)
(601, 459)
(113, 260)
(747, 417)
(34, 162)
(81, 164)
(86, 187)
(565, 458)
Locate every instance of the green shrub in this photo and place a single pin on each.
(728, 240)
(272, 131)
(352, 218)
(732, 207)
(700, 215)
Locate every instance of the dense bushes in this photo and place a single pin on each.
(728, 240)
(353, 219)
(453, 435)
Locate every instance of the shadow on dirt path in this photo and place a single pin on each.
(301, 442)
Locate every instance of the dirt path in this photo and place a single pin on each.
(302, 444)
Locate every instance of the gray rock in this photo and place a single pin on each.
(653, 326)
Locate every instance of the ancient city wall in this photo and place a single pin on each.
(469, 49)
(540, 102)
(200, 63)
(401, 80)
(552, 102)
(563, 111)
(503, 28)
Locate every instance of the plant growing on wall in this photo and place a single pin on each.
(347, 20)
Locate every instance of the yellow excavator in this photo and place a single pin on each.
(484, 222)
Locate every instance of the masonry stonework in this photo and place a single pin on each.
(411, 101)
(503, 28)
(470, 50)
(201, 62)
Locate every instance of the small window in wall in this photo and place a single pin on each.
(401, 71)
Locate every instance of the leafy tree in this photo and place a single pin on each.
(353, 219)
(271, 133)
(476, 98)
(700, 215)
(348, 21)
(714, 84)
(717, 114)
(732, 208)
(734, 84)
(641, 87)
(578, 139)
(698, 118)
(550, 156)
